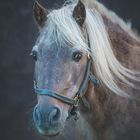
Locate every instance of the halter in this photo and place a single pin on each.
(79, 95)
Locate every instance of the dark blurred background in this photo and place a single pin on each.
(18, 33)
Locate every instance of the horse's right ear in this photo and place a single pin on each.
(40, 13)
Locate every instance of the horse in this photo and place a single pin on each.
(87, 63)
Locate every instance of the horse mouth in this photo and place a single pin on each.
(49, 132)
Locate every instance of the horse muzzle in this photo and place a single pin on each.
(47, 121)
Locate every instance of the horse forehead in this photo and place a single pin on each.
(54, 47)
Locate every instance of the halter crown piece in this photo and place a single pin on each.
(79, 95)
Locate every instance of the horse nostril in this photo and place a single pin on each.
(37, 116)
(54, 116)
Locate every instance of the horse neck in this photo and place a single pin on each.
(104, 107)
(126, 47)
(125, 42)
(99, 106)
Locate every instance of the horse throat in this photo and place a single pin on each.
(97, 101)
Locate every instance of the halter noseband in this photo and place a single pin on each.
(79, 95)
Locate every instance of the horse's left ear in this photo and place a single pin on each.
(79, 13)
(40, 13)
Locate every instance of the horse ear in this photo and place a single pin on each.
(40, 13)
(79, 13)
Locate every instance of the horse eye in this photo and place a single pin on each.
(34, 55)
(77, 56)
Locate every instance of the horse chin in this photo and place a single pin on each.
(50, 132)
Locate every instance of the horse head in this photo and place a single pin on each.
(61, 66)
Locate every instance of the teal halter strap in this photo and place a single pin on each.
(56, 96)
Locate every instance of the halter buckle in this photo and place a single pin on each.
(76, 99)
